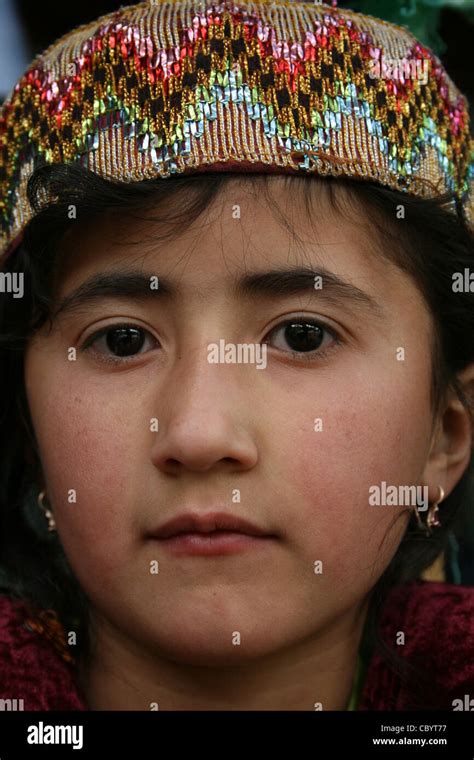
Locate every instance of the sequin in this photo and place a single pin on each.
(238, 70)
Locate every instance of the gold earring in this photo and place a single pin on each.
(47, 511)
(432, 520)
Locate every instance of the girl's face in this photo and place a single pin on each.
(128, 442)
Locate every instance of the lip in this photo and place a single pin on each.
(210, 534)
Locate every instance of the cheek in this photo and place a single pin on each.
(92, 447)
(372, 431)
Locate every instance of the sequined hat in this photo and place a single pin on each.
(175, 86)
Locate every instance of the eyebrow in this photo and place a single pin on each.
(274, 284)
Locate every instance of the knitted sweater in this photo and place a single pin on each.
(437, 620)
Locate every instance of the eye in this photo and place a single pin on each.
(305, 338)
(116, 341)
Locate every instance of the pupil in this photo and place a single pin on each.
(124, 341)
(303, 336)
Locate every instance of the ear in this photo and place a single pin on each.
(452, 440)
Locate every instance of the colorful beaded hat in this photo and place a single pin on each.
(185, 86)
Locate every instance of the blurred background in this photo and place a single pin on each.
(27, 27)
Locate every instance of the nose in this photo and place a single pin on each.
(205, 418)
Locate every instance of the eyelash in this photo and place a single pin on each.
(311, 356)
(317, 354)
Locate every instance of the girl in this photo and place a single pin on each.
(180, 532)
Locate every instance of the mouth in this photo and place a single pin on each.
(210, 534)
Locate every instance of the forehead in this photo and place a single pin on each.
(249, 224)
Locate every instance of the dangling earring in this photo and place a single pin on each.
(432, 520)
(47, 511)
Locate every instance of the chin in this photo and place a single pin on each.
(213, 643)
(207, 655)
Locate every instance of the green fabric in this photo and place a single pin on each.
(364, 656)
(358, 684)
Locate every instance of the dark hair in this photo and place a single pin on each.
(430, 243)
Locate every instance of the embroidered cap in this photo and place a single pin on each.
(185, 86)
